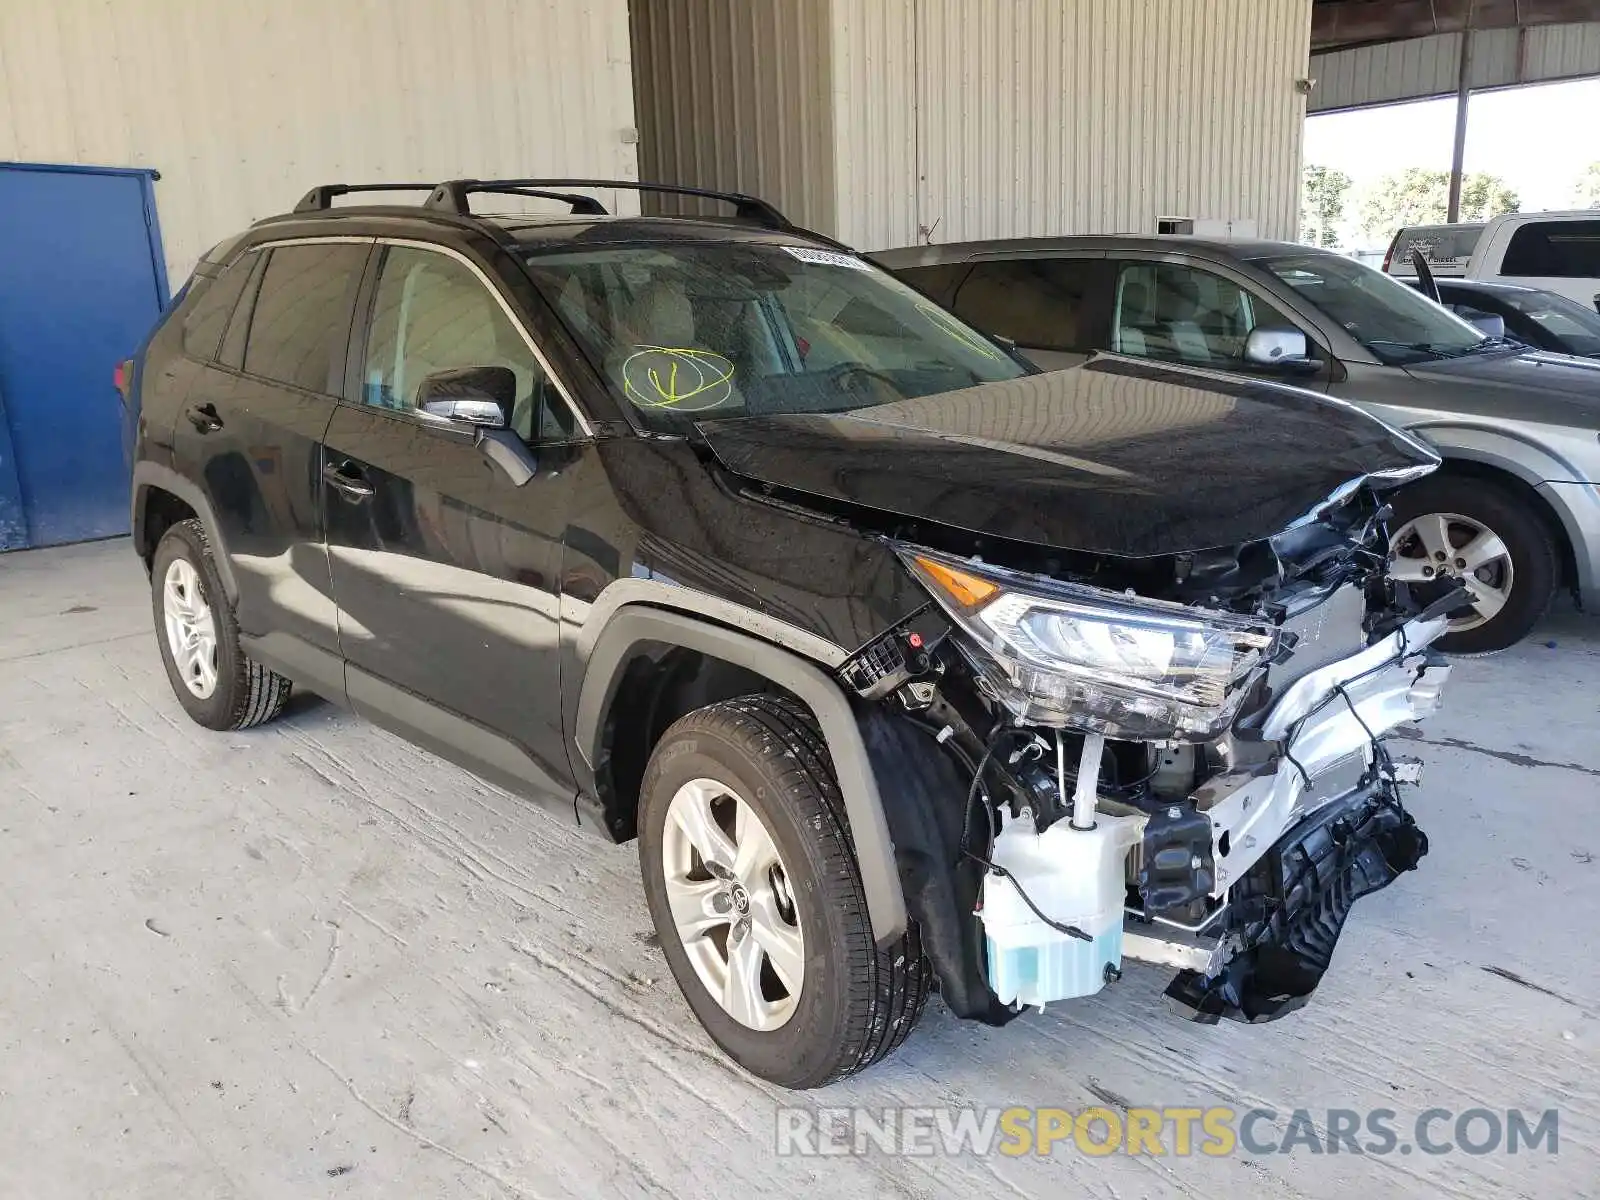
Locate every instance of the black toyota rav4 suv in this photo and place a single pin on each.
(908, 666)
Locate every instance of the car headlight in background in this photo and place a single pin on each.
(1061, 654)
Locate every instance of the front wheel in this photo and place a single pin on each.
(752, 883)
(1453, 530)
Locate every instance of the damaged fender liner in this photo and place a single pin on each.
(941, 887)
(1290, 908)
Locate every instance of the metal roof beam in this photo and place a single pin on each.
(1338, 24)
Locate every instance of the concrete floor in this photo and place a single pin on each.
(310, 960)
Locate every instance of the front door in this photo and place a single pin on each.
(445, 567)
(1182, 313)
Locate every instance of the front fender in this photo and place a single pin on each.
(869, 828)
(1532, 460)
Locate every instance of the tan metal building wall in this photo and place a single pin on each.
(242, 107)
(875, 121)
(1091, 116)
(886, 121)
(734, 95)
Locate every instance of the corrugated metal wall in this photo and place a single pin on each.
(241, 107)
(1089, 116)
(883, 121)
(734, 95)
(875, 121)
(1428, 67)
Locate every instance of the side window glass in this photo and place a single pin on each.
(939, 281)
(202, 329)
(1554, 249)
(431, 313)
(231, 353)
(1179, 314)
(1039, 303)
(301, 320)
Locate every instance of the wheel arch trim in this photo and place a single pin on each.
(869, 827)
(1528, 463)
(151, 476)
(1493, 446)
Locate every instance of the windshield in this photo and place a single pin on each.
(1577, 327)
(685, 333)
(1397, 324)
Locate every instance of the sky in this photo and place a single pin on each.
(1537, 139)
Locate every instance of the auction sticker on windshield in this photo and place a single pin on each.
(827, 258)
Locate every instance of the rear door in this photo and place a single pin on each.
(446, 569)
(1053, 307)
(251, 433)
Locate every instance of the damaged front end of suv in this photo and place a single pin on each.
(1175, 757)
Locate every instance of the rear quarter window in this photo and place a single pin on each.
(1554, 250)
(208, 316)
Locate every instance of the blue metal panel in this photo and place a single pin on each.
(81, 282)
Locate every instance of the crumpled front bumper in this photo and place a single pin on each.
(1288, 912)
(1327, 724)
(1304, 833)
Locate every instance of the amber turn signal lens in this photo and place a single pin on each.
(969, 591)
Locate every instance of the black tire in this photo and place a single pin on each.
(1528, 542)
(857, 1003)
(246, 693)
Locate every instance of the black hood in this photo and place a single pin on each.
(1549, 389)
(1114, 457)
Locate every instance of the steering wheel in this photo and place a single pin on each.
(840, 374)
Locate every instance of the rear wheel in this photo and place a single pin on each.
(752, 883)
(1453, 530)
(218, 685)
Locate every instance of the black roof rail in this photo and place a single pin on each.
(321, 197)
(451, 196)
(586, 206)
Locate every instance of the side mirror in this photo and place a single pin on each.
(1489, 324)
(478, 396)
(1286, 348)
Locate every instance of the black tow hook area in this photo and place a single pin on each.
(1289, 910)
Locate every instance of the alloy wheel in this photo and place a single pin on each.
(191, 628)
(1448, 548)
(732, 904)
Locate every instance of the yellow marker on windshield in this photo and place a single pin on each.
(677, 377)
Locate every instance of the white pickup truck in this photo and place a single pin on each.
(1556, 251)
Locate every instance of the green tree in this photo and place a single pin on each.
(1322, 197)
(1485, 196)
(1418, 196)
(1586, 191)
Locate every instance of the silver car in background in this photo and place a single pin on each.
(1515, 511)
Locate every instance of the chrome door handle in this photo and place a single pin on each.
(347, 479)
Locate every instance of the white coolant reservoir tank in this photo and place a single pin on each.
(1076, 877)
